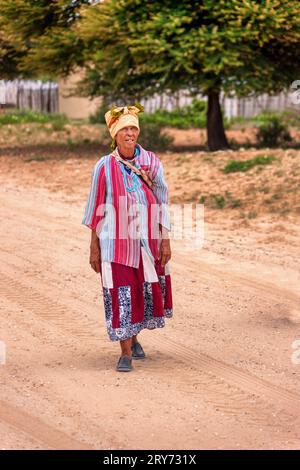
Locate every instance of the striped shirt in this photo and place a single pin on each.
(124, 211)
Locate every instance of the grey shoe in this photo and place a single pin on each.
(124, 364)
(137, 351)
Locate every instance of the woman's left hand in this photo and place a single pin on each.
(164, 252)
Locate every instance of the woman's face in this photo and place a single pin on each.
(127, 137)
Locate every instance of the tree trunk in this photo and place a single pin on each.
(216, 138)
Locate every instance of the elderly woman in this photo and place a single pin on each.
(127, 212)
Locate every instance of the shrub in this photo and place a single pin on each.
(58, 125)
(218, 201)
(290, 117)
(193, 115)
(152, 137)
(22, 116)
(272, 132)
(245, 165)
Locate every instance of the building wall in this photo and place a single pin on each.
(75, 107)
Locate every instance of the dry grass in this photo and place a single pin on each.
(62, 161)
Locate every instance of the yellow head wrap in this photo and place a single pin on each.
(118, 117)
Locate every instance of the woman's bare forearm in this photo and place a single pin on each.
(164, 232)
(95, 255)
(94, 238)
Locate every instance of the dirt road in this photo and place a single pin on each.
(220, 375)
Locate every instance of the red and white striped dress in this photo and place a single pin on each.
(137, 290)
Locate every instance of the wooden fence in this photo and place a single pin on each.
(233, 107)
(44, 96)
(33, 94)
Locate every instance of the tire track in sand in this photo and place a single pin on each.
(35, 427)
(60, 314)
(227, 387)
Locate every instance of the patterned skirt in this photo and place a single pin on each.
(135, 298)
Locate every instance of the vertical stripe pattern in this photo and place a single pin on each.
(139, 209)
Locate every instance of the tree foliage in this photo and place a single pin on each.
(238, 46)
(37, 38)
(135, 48)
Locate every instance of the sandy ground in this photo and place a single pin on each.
(220, 375)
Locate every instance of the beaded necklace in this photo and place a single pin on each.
(127, 172)
(135, 180)
(135, 168)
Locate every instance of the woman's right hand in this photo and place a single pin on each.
(95, 258)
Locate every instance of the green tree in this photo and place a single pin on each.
(9, 58)
(131, 49)
(238, 46)
(37, 39)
